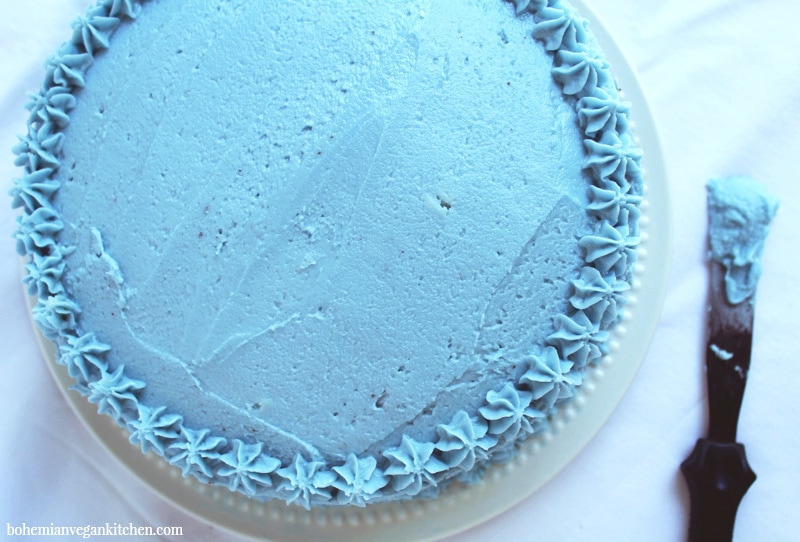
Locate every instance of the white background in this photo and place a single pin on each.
(723, 80)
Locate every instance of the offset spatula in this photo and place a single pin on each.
(717, 471)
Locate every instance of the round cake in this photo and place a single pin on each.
(332, 254)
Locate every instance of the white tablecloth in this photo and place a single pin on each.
(723, 80)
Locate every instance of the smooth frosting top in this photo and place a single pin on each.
(740, 211)
(333, 267)
(338, 210)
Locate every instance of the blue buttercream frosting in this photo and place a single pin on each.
(412, 466)
(196, 452)
(245, 467)
(740, 211)
(331, 267)
(509, 413)
(359, 481)
(306, 483)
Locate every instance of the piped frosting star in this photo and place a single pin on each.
(247, 468)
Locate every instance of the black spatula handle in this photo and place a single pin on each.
(718, 476)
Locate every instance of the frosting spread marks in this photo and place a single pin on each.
(407, 464)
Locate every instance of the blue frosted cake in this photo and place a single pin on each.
(333, 253)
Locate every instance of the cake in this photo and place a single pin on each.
(336, 253)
